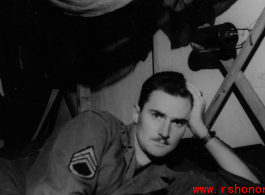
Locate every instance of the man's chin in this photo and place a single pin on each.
(157, 155)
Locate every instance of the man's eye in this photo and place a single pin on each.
(179, 123)
(156, 115)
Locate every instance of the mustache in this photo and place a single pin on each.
(159, 139)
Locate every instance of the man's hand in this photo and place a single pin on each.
(223, 155)
(196, 122)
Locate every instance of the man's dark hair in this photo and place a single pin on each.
(172, 83)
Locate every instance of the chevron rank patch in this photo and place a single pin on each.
(84, 163)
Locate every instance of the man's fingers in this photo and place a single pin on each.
(194, 90)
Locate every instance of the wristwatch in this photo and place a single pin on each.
(210, 135)
(206, 138)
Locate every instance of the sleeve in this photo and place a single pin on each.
(70, 159)
(199, 181)
(228, 183)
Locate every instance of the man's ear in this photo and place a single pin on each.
(136, 113)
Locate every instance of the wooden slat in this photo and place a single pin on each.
(161, 52)
(70, 103)
(83, 98)
(1, 89)
(240, 61)
(250, 96)
(46, 112)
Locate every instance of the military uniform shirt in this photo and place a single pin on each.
(94, 154)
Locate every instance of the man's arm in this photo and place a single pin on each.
(70, 160)
(224, 156)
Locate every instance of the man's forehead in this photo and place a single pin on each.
(159, 93)
(167, 104)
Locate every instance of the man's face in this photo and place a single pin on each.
(161, 123)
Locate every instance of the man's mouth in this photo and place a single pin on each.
(162, 141)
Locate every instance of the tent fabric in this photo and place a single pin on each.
(89, 8)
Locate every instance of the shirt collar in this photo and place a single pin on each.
(127, 139)
(127, 136)
(154, 177)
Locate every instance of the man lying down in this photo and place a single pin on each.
(95, 153)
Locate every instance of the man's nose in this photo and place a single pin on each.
(164, 130)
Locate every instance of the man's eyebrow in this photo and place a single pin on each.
(177, 120)
(158, 112)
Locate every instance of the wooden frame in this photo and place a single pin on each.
(235, 75)
(52, 108)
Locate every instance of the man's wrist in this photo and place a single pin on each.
(210, 135)
(206, 138)
(201, 131)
